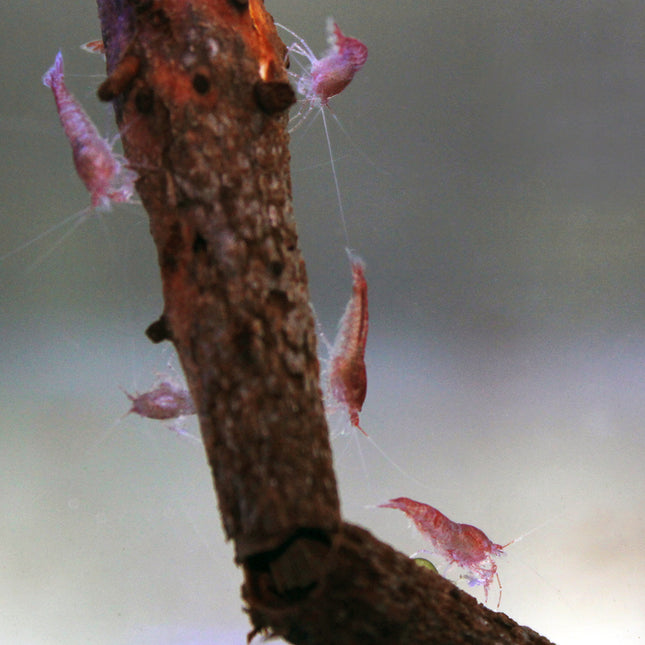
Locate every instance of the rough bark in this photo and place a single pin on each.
(201, 96)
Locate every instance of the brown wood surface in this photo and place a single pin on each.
(202, 96)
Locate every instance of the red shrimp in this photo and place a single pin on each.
(104, 173)
(347, 376)
(166, 400)
(461, 544)
(94, 47)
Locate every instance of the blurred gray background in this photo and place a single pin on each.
(493, 184)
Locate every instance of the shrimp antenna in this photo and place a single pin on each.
(302, 42)
(80, 217)
(536, 528)
(363, 154)
(341, 210)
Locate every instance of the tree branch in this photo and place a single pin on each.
(201, 97)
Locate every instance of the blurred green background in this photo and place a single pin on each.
(493, 184)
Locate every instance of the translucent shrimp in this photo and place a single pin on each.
(94, 47)
(324, 78)
(166, 400)
(461, 544)
(333, 72)
(105, 174)
(346, 383)
(345, 377)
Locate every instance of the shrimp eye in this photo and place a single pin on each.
(201, 83)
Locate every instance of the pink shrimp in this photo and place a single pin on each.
(334, 71)
(104, 173)
(166, 400)
(461, 544)
(326, 77)
(347, 377)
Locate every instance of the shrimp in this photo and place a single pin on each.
(94, 47)
(326, 77)
(345, 379)
(330, 74)
(347, 376)
(166, 400)
(461, 544)
(105, 174)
